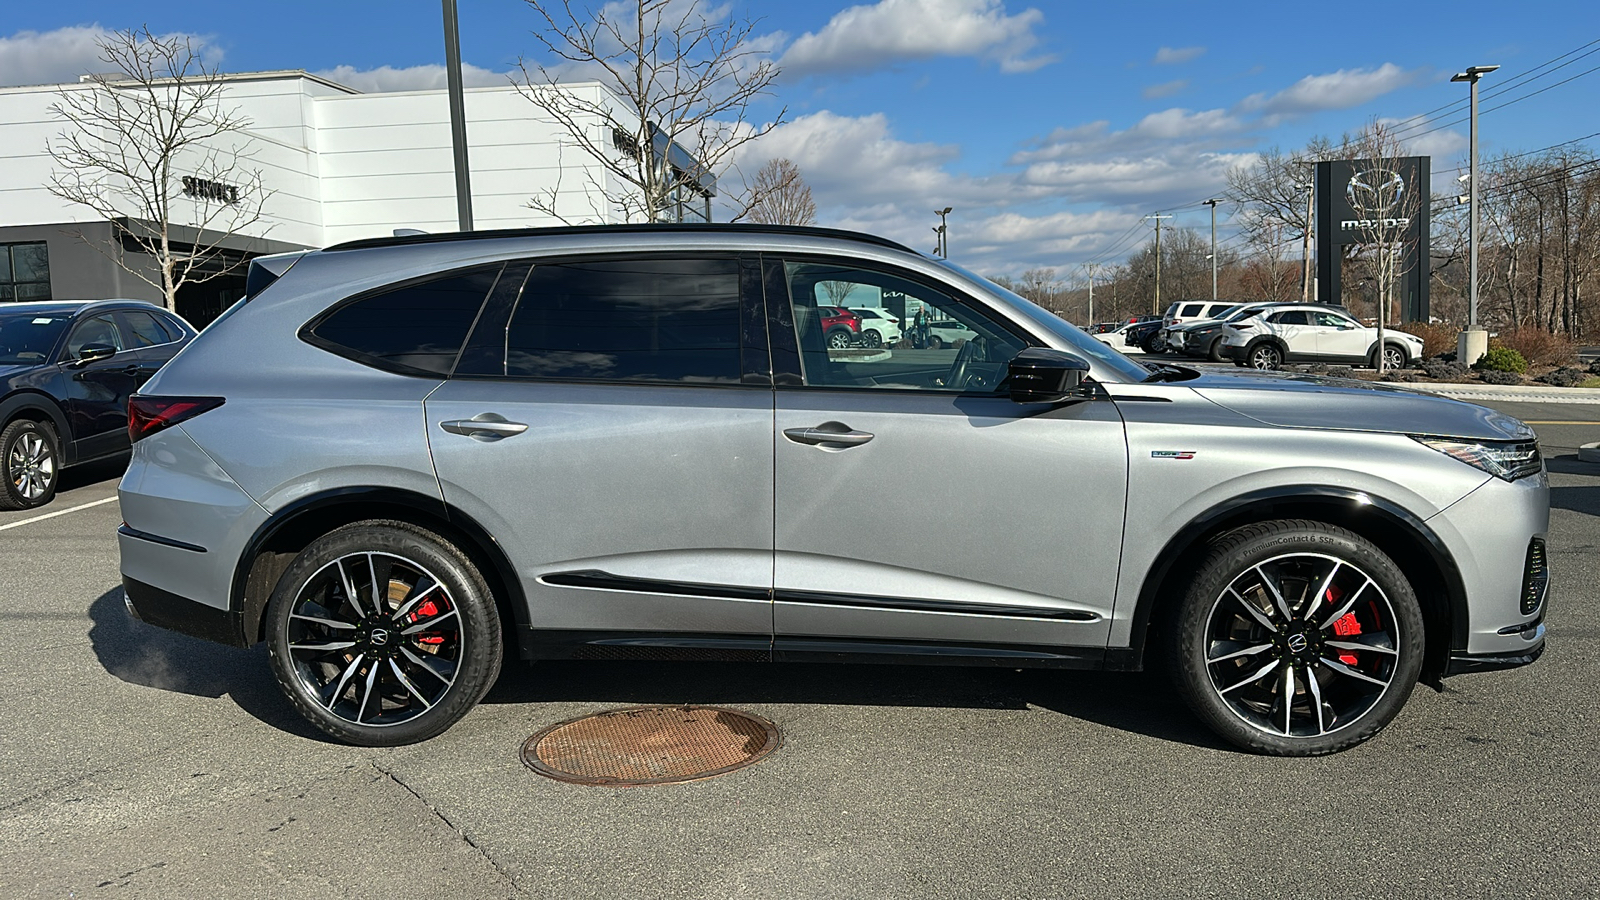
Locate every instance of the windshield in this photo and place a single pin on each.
(26, 339)
(1079, 340)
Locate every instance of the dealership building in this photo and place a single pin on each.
(335, 165)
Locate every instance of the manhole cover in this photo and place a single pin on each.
(650, 745)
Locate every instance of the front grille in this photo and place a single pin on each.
(1535, 577)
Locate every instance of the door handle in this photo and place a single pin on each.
(130, 370)
(484, 427)
(829, 436)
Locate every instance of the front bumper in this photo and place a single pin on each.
(1463, 663)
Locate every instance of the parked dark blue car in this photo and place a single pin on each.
(66, 370)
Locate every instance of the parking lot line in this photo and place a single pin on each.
(59, 512)
(1577, 422)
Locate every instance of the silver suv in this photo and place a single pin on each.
(399, 460)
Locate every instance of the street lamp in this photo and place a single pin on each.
(1213, 257)
(458, 115)
(944, 232)
(1474, 341)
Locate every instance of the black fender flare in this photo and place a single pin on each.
(31, 401)
(1382, 517)
(356, 503)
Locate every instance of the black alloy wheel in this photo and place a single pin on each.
(872, 338)
(1297, 638)
(30, 456)
(1265, 356)
(382, 633)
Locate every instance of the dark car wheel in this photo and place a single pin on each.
(872, 338)
(838, 340)
(31, 456)
(1297, 638)
(1265, 356)
(935, 342)
(1214, 352)
(382, 633)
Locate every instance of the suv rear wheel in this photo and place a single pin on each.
(382, 633)
(1297, 638)
(30, 457)
(1265, 356)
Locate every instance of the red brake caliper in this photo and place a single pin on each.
(426, 611)
(1346, 626)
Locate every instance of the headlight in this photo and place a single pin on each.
(1510, 461)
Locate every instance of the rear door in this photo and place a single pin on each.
(1294, 327)
(916, 503)
(149, 341)
(610, 424)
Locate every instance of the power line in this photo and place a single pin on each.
(1402, 128)
(1502, 105)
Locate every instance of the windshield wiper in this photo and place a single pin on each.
(1169, 372)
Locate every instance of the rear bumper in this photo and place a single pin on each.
(163, 609)
(1229, 351)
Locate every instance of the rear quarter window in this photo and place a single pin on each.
(413, 329)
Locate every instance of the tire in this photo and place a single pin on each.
(838, 339)
(425, 681)
(1264, 356)
(1351, 667)
(935, 342)
(30, 459)
(872, 338)
(1394, 357)
(1214, 352)
(1148, 345)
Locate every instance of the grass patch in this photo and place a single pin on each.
(1592, 381)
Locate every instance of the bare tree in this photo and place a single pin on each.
(685, 78)
(1385, 206)
(780, 196)
(152, 145)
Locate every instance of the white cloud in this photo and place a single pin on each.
(53, 57)
(1171, 56)
(1165, 89)
(1335, 90)
(868, 37)
(410, 78)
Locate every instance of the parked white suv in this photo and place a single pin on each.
(879, 327)
(1312, 332)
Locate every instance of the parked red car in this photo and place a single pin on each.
(841, 326)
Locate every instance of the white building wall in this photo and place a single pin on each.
(342, 165)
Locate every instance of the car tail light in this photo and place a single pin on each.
(148, 415)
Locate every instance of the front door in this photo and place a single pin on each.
(97, 392)
(602, 427)
(918, 507)
(1340, 338)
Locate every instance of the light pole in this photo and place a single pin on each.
(458, 115)
(1090, 267)
(944, 231)
(1305, 244)
(1213, 204)
(1474, 341)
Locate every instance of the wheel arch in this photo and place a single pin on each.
(1405, 538)
(41, 407)
(1274, 340)
(278, 540)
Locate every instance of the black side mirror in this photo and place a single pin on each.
(1042, 375)
(89, 353)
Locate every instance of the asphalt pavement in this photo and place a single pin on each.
(140, 763)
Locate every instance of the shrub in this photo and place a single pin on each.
(1594, 367)
(1539, 347)
(1444, 369)
(1341, 372)
(1502, 359)
(1401, 376)
(1437, 338)
(1495, 377)
(1566, 376)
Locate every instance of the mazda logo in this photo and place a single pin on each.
(1375, 192)
(1298, 643)
(379, 637)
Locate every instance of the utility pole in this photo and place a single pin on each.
(458, 115)
(1090, 267)
(1474, 341)
(1157, 303)
(1213, 204)
(944, 231)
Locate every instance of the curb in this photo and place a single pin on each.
(1513, 393)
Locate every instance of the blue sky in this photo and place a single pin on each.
(1050, 127)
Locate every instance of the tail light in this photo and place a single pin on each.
(148, 415)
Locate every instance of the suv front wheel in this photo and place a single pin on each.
(382, 633)
(1297, 638)
(29, 456)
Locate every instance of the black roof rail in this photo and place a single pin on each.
(654, 228)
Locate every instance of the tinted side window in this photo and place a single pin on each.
(415, 329)
(1192, 309)
(101, 329)
(665, 320)
(142, 329)
(1291, 317)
